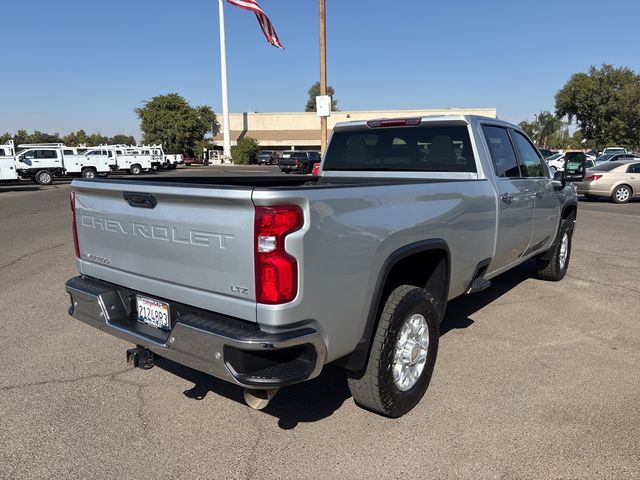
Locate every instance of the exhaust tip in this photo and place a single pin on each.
(258, 398)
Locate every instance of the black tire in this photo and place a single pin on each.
(622, 194)
(135, 170)
(377, 390)
(304, 169)
(88, 173)
(287, 171)
(43, 177)
(552, 268)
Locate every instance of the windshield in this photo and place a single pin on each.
(417, 149)
(555, 156)
(604, 158)
(615, 150)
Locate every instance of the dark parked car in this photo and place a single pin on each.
(298, 161)
(267, 157)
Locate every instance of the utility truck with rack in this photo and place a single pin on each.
(7, 162)
(42, 162)
(134, 159)
(262, 281)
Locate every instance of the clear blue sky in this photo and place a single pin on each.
(74, 64)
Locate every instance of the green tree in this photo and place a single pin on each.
(75, 138)
(122, 139)
(530, 128)
(5, 137)
(245, 152)
(314, 91)
(605, 103)
(170, 120)
(41, 137)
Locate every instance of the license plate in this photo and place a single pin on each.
(153, 312)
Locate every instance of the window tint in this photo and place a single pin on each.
(68, 152)
(417, 149)
(528, 156)
(501, 150)
(2, 154)
(635, 168)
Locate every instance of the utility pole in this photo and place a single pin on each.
(323, 71)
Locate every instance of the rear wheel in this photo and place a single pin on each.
(135, 170)
(403, 354)
(622, 194)
(304, 169)
(88, 173)
(43, 177)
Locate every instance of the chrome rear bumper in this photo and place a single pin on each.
(224, 347)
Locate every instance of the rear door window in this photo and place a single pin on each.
(635, 168)
(528, 155)
(501, 150)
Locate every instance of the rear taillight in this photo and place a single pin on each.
(592, 178)
(72, 200)
(276, 270)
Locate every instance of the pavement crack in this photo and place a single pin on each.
(141, 403)
(607, 254)
(62, 381)
(604, 284)
(252, 457)
(42, 250)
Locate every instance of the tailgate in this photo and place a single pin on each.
(192, 245)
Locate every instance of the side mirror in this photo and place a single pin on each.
(558, 181)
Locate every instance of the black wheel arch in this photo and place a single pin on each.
(436, 253)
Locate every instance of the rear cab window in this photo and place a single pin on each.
(422, 148)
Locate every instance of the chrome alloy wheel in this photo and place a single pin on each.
(622, 194)
(410, 355)
(564, 250)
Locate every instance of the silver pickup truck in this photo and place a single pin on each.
(261, 281)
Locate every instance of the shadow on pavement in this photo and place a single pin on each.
(462, 308)
(304, 402)
(318, 398)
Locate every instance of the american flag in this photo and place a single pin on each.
(263, 20)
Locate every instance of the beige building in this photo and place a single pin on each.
(301, 130)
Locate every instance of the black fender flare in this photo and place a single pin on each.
(357, 360)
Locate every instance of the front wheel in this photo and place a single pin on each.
(555, 267)
(135, 170)
(403, 354)
(621, 194)
(43, 177)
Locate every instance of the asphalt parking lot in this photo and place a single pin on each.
(533, 379)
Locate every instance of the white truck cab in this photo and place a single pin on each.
(7, 158)
(43, 161)
(133, 159)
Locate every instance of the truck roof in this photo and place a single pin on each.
(468, 119)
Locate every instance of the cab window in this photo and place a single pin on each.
(503, 156)
(529, 158)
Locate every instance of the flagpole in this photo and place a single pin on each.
(226, 129)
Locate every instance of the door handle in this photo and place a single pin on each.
(506, 198)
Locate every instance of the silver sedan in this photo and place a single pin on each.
(619, 181)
